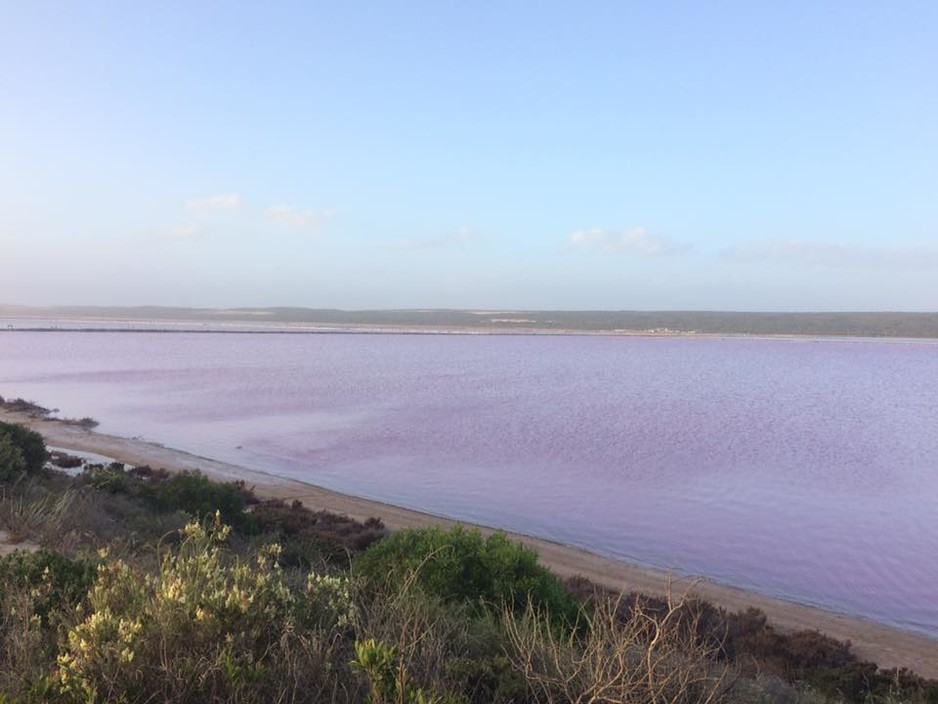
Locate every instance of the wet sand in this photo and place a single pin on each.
(888, 647)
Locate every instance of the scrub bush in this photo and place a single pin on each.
(310, 537)
(110, 477)
(645, 657)
(199, 496)
(28, 444)
(208, 627)
(38, 596)
(55, 582)
(12, 464)
(448, 648)
(30, 408)
(460, 565)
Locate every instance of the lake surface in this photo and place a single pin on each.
(806, 469)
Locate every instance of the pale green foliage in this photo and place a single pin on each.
(332, 597)
(38, 594)
(23, 643)
(207, 627)
(378, 662)
(443, 647)
(388, 680)
(102, 646)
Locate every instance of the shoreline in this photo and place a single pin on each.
(885, 645)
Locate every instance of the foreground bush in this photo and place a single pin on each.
(643, 658)
(207, 628)
(448, 648)
(38, 595)
(53, 581)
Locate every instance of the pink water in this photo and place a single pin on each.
(806, 469)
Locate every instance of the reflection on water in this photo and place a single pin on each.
(806, 469)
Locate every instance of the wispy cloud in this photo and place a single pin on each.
(289, 216)
(224, 203)
(459, 236)
(184, 232)
(635, 241)
(202, 212)
(835, 254)
(228, 214)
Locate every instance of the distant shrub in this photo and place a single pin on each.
(461, 565)
(199, 496)
(30, 445)
(63, 460)
(145, 471)
(106, 477)
(21, 405)
(86, 422)
(311, 537)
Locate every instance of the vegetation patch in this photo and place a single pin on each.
(309, 538)
(175, 588)
(21, 405)
(461, 565)
(86, 422)
(21, 451)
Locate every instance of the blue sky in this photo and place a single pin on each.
(659, 155)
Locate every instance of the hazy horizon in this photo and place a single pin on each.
(664, 157)
(5, 306)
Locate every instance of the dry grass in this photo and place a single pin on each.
(647, 657)
(32, 513)
(425, 633)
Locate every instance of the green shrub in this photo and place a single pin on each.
(30, 445)
(38, 596)
(21, 405)
(461, 565)
(209, 627)
(110, 477)
(446, 647)
(12, 464)
(199, 496)
(53, 580)
(388, 680)
(310, 537)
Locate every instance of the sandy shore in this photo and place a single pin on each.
(889, 647)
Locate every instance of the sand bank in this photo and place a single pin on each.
(889, 647)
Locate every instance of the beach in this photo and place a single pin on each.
(888, 647)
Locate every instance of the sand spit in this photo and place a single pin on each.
(888, 647)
